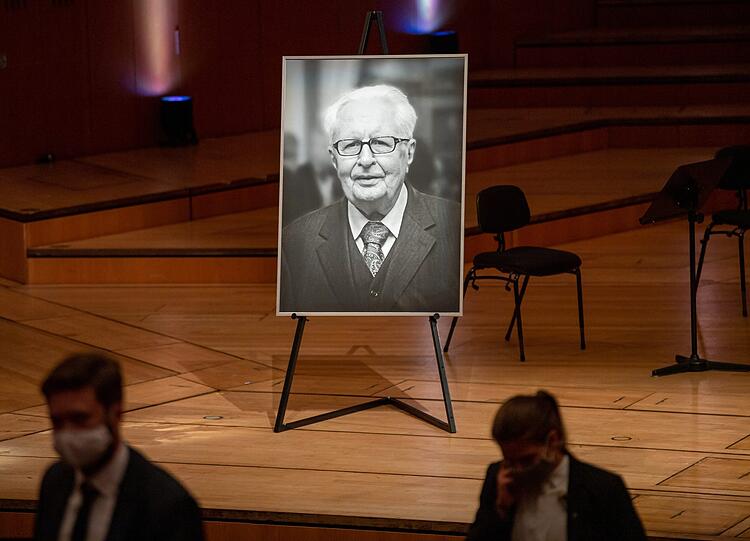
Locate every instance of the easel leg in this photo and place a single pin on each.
(443, 377)
(279, 426)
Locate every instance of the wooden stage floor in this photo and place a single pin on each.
(204, 366)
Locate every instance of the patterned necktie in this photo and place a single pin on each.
(81, 526)
(374, 235)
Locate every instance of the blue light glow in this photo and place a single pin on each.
(176, 98)
(422, 16)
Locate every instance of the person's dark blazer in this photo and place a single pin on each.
(423, 270)
(598, 505)
(151, 505)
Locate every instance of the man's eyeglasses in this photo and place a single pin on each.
(383, 144)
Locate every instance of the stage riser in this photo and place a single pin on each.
(632, 54)
(238, 531)
(237, 200)
(689, 135)
(13, 250)
(152, 270)
(106, 222)
(667, 95)
(179, 270)
(586, 226)
(16, 237)
(20, 525)
(542, 148)
(654, 136)
(16, 525)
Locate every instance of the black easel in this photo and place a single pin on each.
(377, 18)
(450, 424)
(685, 193)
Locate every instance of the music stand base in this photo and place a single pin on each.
(694, 363)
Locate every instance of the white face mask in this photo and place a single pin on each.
(83, 448)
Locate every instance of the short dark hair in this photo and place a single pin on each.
(83, 370)
(528, 418)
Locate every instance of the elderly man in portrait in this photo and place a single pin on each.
(385, 246)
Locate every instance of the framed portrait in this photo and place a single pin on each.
(372, 185)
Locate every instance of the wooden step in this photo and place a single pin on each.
(67, 201)
(611, 86)
(637, 46)
(571, 198)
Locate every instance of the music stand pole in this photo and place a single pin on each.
(684, 194)
(694, 363)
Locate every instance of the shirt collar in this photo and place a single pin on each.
(392, 220)
(107, 480)
(558, 479)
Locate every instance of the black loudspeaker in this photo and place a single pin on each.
(444, 42)
(176, 114)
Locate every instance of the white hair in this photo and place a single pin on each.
(404, 114)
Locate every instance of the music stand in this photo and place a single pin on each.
(685, 193)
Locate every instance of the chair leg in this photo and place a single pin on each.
(519, 325)
(513, 319)
(704, 245)
(743, 287)
(468, 278)
(580, 307)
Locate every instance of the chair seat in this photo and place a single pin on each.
(740, 218)
(530, 260)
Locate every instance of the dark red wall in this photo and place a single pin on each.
(73, 65)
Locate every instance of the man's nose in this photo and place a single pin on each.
(366, 157)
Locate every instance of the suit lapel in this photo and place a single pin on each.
(575, 500)
(59, 500)
(333, 254)
(127, 498)
(414, 243)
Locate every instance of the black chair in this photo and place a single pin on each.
(501, 209)
(732, 222)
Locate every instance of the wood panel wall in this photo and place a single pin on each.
(73, 66)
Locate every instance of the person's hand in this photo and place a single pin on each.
(505, 498)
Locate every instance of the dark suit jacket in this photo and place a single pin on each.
(598, 504)
(151, 505)
(423, 272)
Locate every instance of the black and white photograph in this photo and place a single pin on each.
(372, 176)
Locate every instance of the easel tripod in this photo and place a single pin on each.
(449, 424)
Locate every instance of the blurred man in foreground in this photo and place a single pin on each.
(540, 492)
(102, 488)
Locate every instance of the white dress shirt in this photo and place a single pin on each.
(545, 516)
(107, 483)
(392, 221)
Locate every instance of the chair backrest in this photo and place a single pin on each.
(502, 208)
(737, 177)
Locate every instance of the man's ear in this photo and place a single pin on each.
(554, 438)
(333, 157)
(410, 147)
(115, 412)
